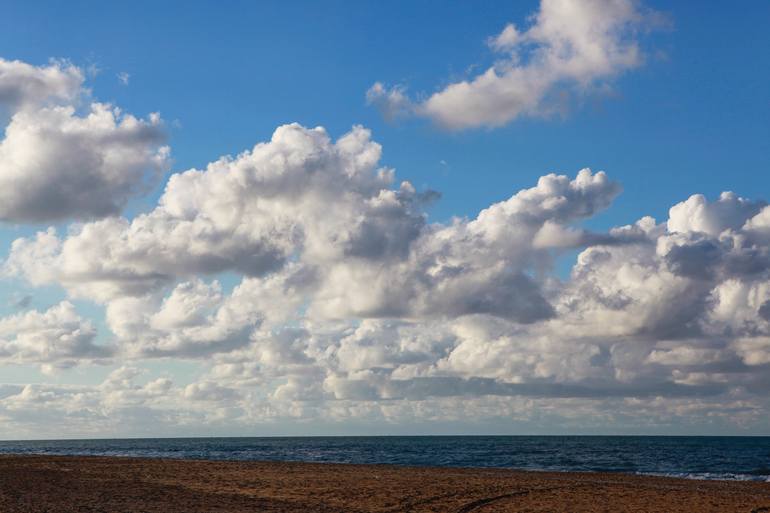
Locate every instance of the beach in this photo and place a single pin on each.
(119, 484)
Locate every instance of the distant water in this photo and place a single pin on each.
(735, 458)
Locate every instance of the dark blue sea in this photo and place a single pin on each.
(735, 458)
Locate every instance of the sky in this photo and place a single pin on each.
(384, 218)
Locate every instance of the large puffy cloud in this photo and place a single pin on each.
(64, 156)
(351, 303)
(363, 247)
(196, 319)
(479, 266)
(22, 84)
(58, 337)
(638, 318)
(251, 214)
(571, 46)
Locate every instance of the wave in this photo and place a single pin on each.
(712, 476)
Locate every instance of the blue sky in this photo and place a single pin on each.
(690, 117)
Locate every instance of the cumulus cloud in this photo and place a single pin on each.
(479, 266)
(57, 337)
(371, 255)
(569, 48)
(630, 323)
(352, 304)
(23, 85)
(64, 156)
(247, 214)
(195, 319)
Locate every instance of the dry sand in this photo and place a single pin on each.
(90, 484)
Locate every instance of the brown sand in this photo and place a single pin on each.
(78, 484)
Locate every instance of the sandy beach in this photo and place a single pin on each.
(101, 484)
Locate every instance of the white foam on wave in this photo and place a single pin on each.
(710, 476)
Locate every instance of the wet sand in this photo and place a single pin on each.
(96, 484)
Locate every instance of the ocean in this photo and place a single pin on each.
(733, 458)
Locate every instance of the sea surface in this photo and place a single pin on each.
(734, 458)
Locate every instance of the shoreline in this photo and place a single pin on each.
(40, 483)
(687, 476)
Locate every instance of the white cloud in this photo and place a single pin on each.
(351, 303)
(697, 214)
(196, 319)
(25, 86)
(478, 266)
(392, 102)
(249, 214)
(132, 403)
(61, 159)
(58, 337)
(371, 255)
(754, 351)
(571, 47)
